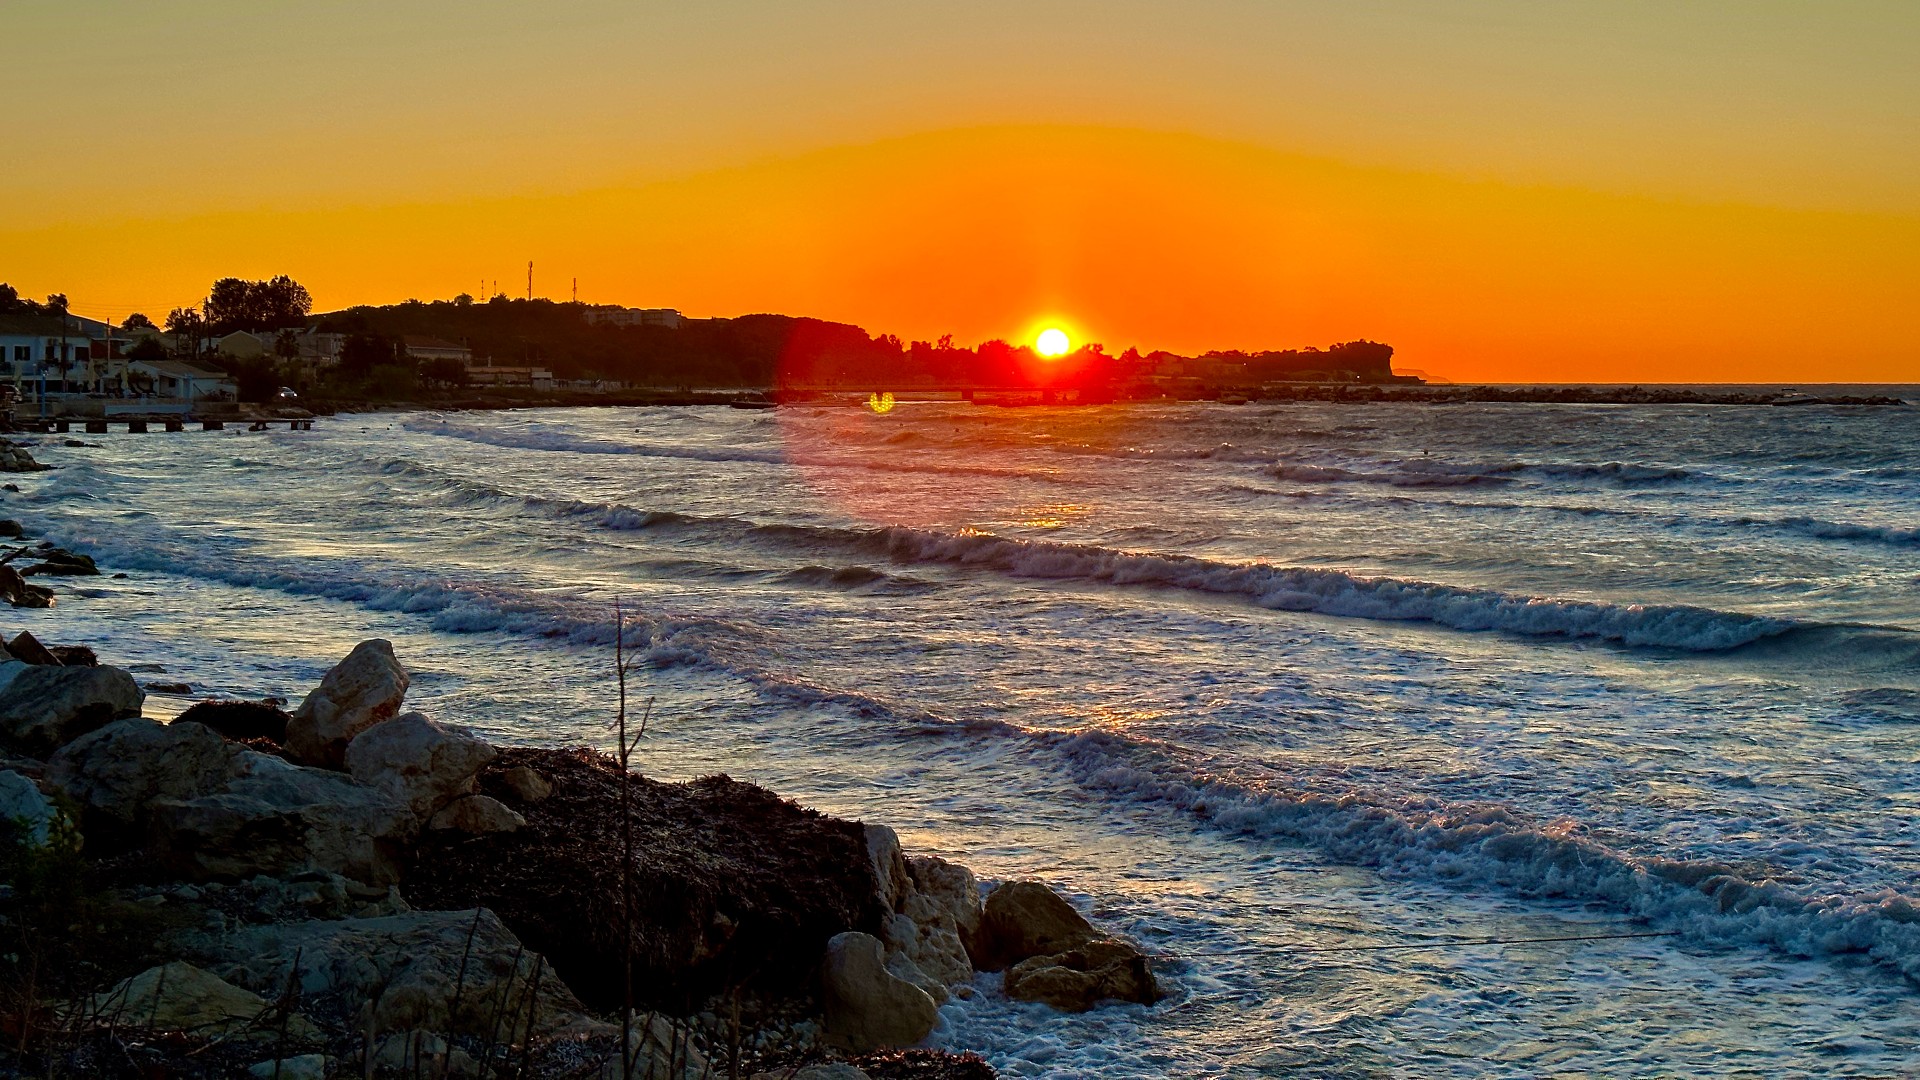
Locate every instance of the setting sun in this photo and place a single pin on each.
(1052, 342)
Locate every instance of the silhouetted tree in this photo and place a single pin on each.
(137, 321)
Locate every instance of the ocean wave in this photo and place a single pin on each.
(1429, 472)
(1839, 530)
(1494, 845)
(530, 438)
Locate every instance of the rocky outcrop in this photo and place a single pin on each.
(117, 772)
(1054, 954)
(363, 690)
(212, 809)
(275, 817)
(43, 707)
(420, 762)
(59, 562)
(868, 1006)
(946, 890)
(181, 997)
(14, 458)
(27, 649)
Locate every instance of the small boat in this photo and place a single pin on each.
(753, 404)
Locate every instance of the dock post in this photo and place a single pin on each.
(213, 425)
(62, 426)
(176, 425)
(136, 427)
(96, 427)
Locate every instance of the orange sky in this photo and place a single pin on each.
(1524, 230)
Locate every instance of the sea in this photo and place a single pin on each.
(1412, 740)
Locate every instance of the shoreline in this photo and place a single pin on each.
(350, 886)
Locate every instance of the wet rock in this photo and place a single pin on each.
(363, 690)
(477, 815)
(1079, 978)
(236, 720)
(931, 943)
(867, 1006)
(15, 590)
(1023, 919)
(10, 529)
(44, 706)
(440, 971)
(59, 562)
(423, 763)
(526, 784)
(22, 804)
(14, 458)
(944, 894)
(181, 997)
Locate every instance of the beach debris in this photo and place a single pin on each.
(422, 763)
(44, 706)
(868, 1006)
(360, 691)
(237, 720)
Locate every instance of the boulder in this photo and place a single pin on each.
(27, 649)
(178, 996)
(59, 562)
(1079, 978)
(422, 763)
(15, 590)
(891, 882)
(74, 655)
(275, 817)
(237, 720)
(116, 772)
(442, 971)
(1023, 919)
(363, 690)
(32, 816)
(949, 888)
(477, 815)
(929, 941)
(423, 1053)
(43, 707)
(832, 1070)
(10, 529)
(867, 1006)
(526, 784)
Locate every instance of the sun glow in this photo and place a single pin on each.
(1052, 342)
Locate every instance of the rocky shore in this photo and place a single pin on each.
(353, 889)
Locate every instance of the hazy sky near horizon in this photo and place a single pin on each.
(1500, 188)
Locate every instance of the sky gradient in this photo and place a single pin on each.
(1503, 190)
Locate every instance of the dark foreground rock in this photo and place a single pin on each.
(731, 883)
(43, 706)
(237, 720)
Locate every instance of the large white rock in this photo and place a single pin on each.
(867, 1006)
(422, 763)
(43, 707)
(925, 935)
(22, 804)
(274, 817)
(363, 690)
(657, 1051)
(946, 888)
(116, 773)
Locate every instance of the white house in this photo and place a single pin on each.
(32, 345)
(180, 380)
(433, 348)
